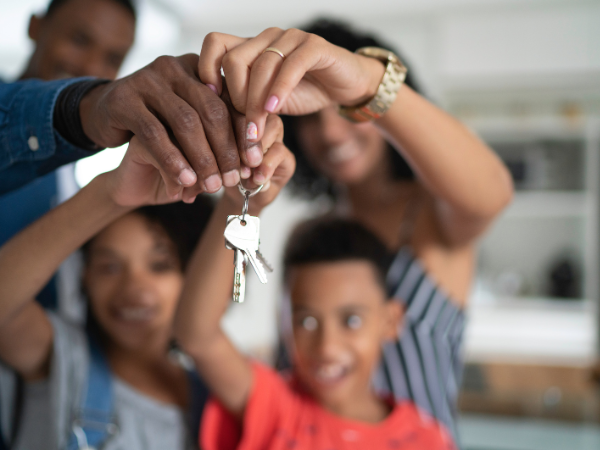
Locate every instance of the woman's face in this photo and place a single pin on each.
(344, 152)
(133, 279)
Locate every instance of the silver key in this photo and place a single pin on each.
(268, 267)
(239, 272)
(244, 235)
(239, 276)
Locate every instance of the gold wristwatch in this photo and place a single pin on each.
(394, 76)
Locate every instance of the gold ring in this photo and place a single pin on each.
(274, 50)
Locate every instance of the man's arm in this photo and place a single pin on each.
(30, 147)
(187, 128)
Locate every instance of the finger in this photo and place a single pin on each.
(216, 121)
(305, 58)
(174, 168)
(237, 65)
(273, 131)
(214, 47)
(278, 159)
(246, 172)
(264, 72)
(188, 130)
(250, 153)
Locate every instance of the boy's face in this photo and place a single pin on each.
(340, 320)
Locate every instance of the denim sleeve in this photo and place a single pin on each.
(29, 145)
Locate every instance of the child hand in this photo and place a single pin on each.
(313, 74)
(137, 181)
(274, 172)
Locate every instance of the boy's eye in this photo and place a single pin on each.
(354, 322)
(309, 323)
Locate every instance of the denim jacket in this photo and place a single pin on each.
(29, 145)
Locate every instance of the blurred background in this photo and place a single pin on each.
(524, 75)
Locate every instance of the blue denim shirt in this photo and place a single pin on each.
(29, 145)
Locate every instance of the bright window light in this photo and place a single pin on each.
(87, 169)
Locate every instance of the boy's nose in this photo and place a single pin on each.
(329, 344)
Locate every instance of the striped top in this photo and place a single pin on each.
(425, 363)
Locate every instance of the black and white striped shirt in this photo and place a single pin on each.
(425, 364)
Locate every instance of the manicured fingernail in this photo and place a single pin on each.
(213, 88)
(231, 178)
(187, 177)
(272, 103)
(259, 178)
(246, 172)
(251, 131)
(254, 155)
(213, 183)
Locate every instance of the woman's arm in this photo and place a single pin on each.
(466, 178)
(30, 259)
(208, 286)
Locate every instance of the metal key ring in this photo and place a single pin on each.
(247, 193)
(250, 192)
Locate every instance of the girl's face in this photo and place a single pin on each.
(133, 279)
(342, 151)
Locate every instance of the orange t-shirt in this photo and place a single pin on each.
(278, 417)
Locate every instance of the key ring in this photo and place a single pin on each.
(247, 193)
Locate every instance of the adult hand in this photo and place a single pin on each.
(137, 181)
(166, 99)
(313, 74)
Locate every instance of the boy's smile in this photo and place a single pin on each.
(341, 318)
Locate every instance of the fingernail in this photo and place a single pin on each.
(213, 88)
(259, 178)
(272, 103)
(254, 156)
(251, 131)
(187, 177)
(231, 178)
(213, 183)
(246, 172)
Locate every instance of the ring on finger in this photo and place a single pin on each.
(274, 50)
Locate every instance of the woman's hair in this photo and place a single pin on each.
(334, 239)
(307, 182)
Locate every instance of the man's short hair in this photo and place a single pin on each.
(330, 239)
(128, 4)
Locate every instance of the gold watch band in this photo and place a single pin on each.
(392, 80)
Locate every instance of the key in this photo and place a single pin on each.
(239, 276)
(244, 235)
(239, 272)
(268, 267)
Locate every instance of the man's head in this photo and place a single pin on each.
(335, 270)
(81, 38)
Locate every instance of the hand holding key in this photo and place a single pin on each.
(242, 233)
